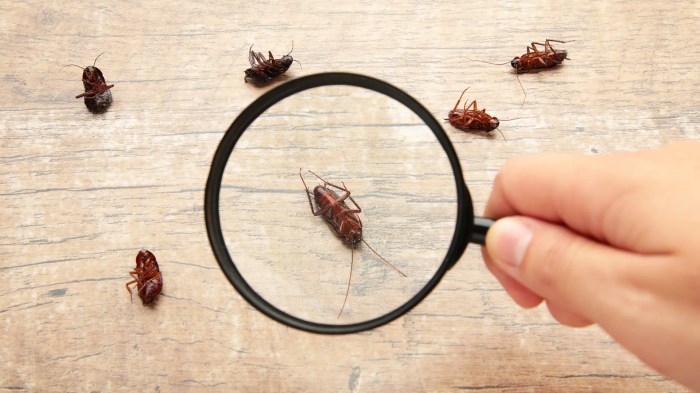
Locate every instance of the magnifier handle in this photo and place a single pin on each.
(481, 226)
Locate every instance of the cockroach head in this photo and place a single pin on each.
(144, 256)
(515, 63)
(287, 61)
(494, 123)
(90, 72)
(354, 236)
(560, 55)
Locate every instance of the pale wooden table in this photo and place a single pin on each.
(82, 193)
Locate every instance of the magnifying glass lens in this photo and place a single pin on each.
(384, 166)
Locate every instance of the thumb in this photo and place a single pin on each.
(575, 275)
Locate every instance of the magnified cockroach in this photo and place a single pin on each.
(97, 96)
(343, 219)
(262, 71)
(147, 277)
(470, 118)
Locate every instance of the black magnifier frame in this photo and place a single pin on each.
(468, 229)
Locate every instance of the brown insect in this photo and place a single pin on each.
(470, 118)
(262, 71)
(344, 220)
(97, 96)
(537, 60)
(147, 276)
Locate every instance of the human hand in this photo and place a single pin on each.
(608, 239)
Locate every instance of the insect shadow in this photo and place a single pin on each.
(342, 218)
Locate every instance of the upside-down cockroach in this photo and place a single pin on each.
(470, 118)
(343, 219)
(97, 96)
(147, 276)
(536, 60)
(262, 71)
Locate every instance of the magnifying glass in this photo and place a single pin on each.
(336, 203)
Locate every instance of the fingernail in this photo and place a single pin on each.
(507, 241)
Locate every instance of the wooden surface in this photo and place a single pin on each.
(82, 193)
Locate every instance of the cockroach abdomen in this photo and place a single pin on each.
(151, 289)
(99, 103)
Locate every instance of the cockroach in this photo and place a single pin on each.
(343, 219)
(262, 71)
(536, 60)
(147, 277)
(470, 118)
(97, 96)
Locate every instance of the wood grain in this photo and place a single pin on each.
(82, 193)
